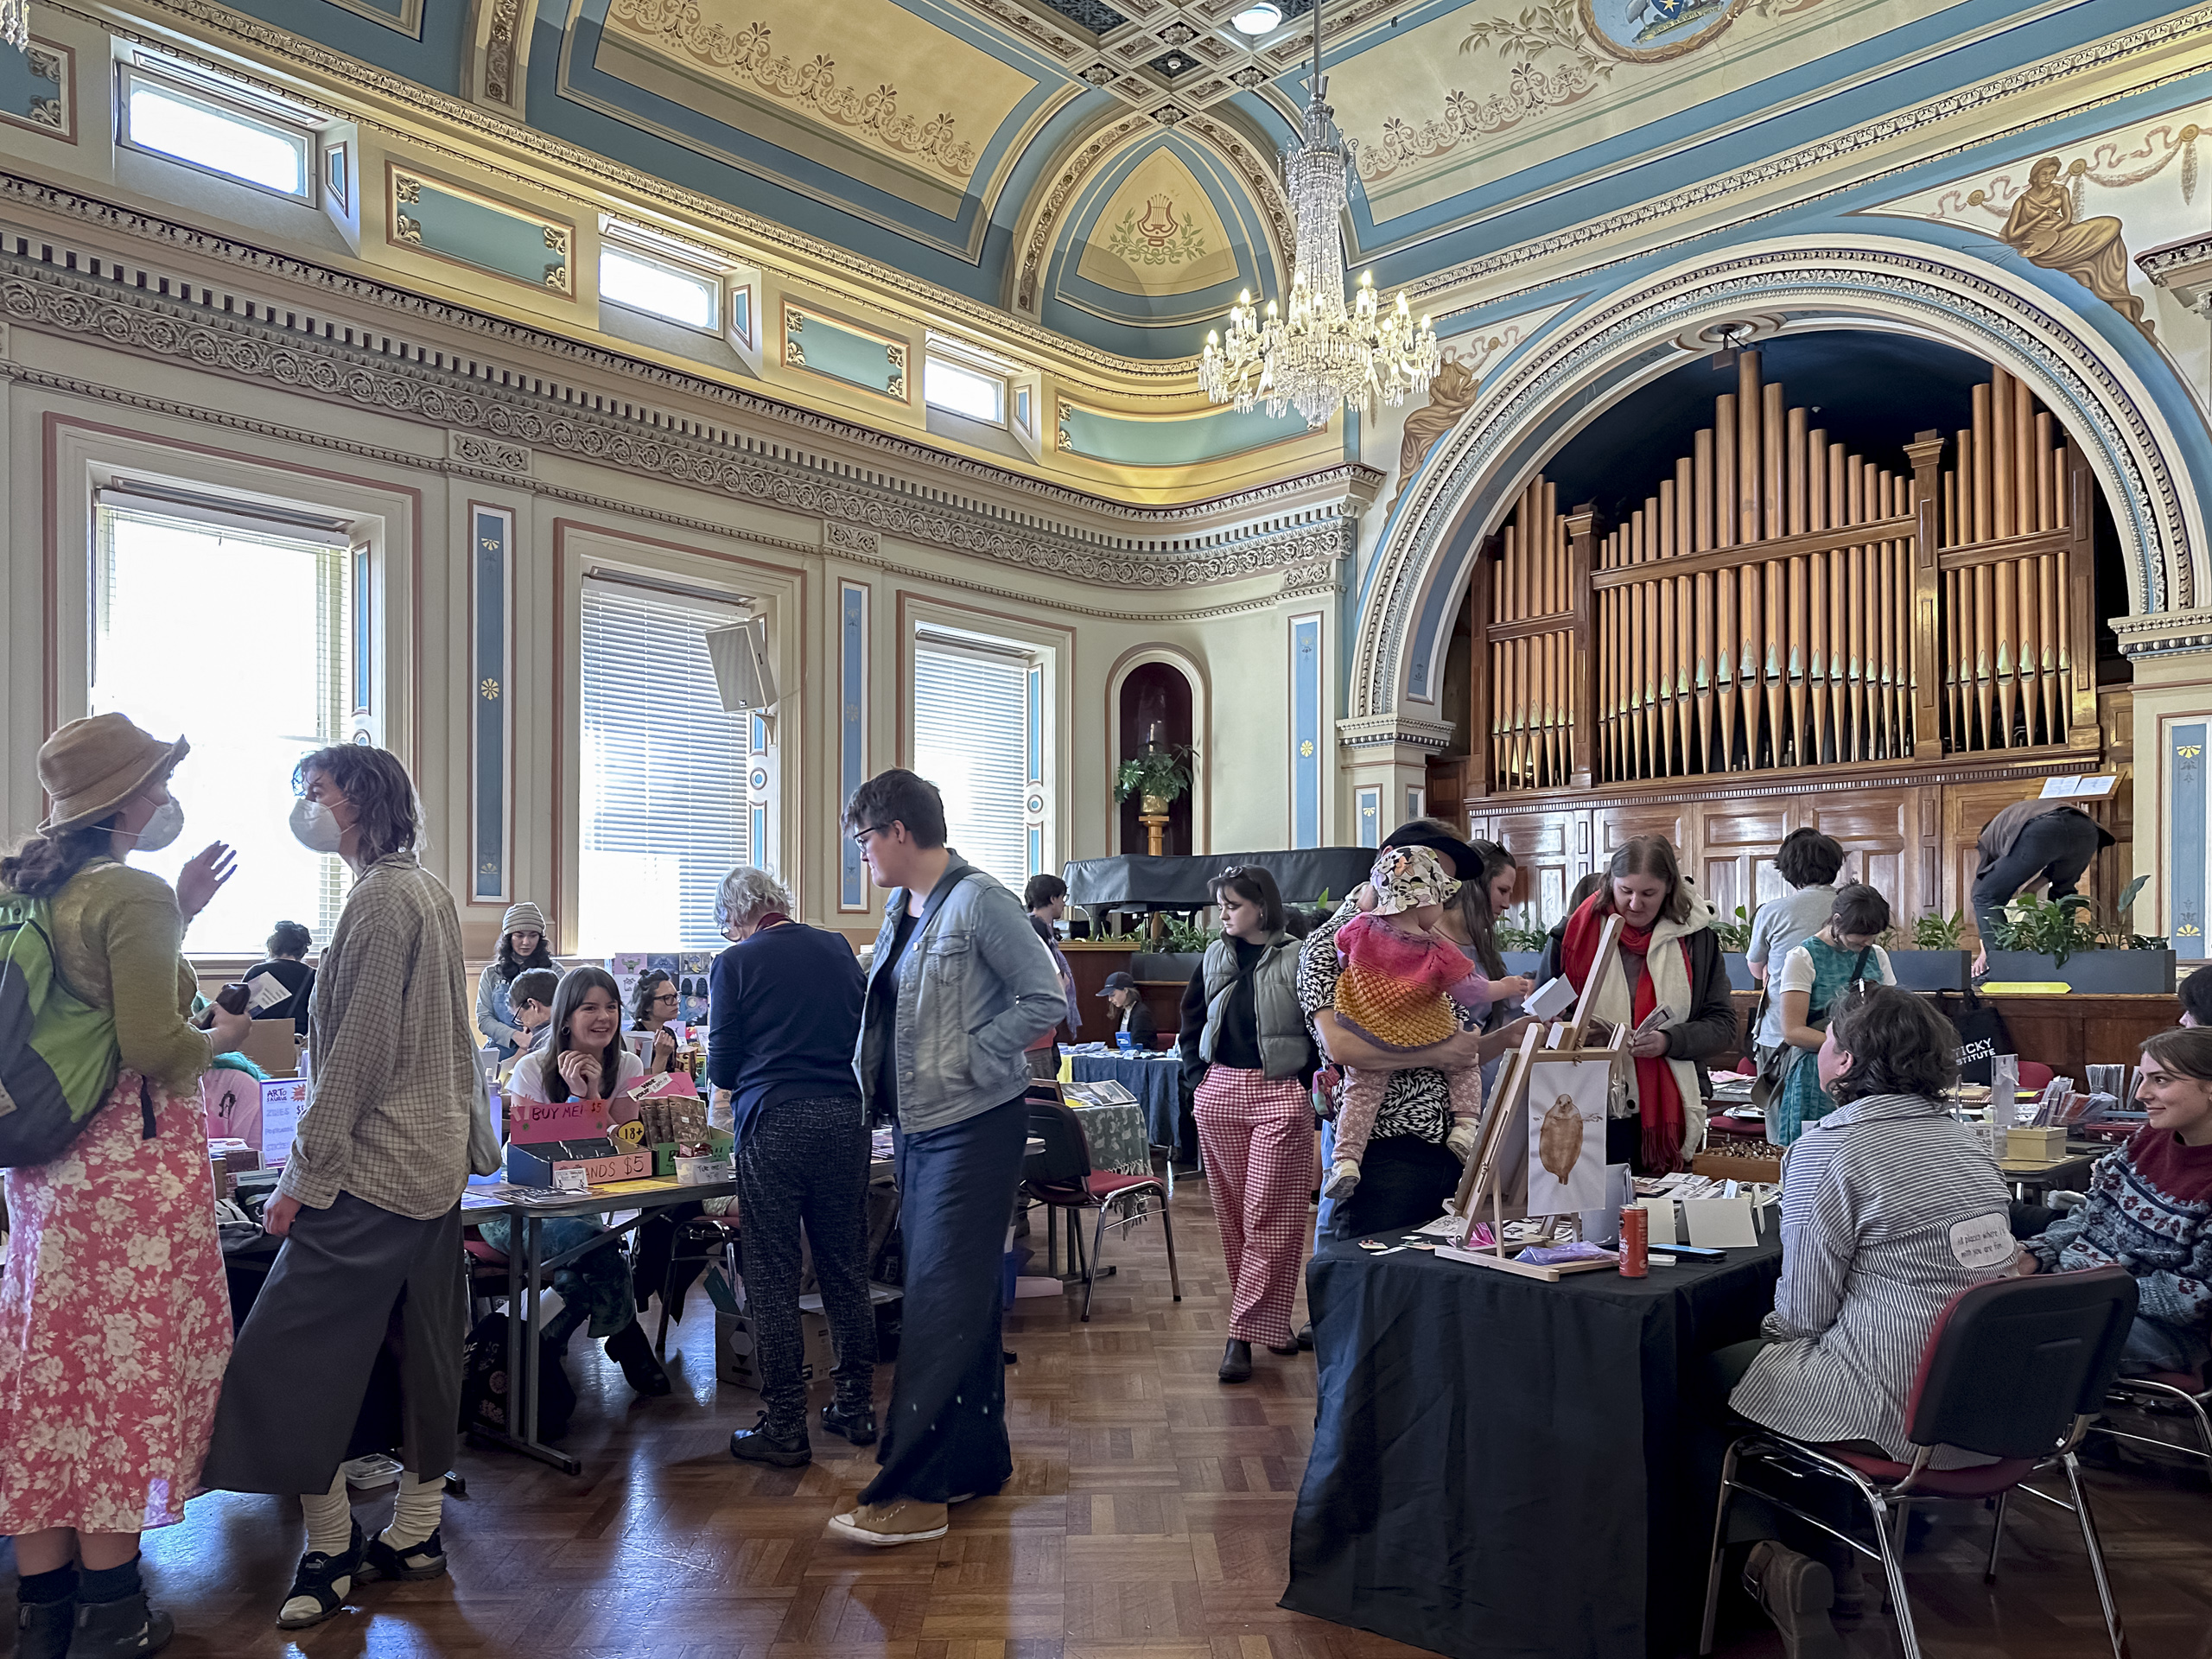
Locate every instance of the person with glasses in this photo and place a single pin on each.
(1243, 1023)
(652, 1007)
(958, 988)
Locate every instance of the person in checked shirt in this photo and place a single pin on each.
(369, 1207)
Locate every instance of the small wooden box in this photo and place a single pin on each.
(1724, 1165)
(2035, 1146)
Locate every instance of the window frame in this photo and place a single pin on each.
(235, 106)
(934, 359)
(715, 282)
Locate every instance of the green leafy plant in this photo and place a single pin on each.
(1184, 937)
(2058, 927)
(1527, 934)
(1163, 773)
(1734, 935)
(1937, 932)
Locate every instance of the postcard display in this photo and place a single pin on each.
(1541, 1150)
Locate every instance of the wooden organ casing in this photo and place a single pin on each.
(1782, 632)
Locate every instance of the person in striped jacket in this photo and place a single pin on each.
(2149, 1209)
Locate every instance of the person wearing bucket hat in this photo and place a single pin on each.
(1130, 1014)
(523, 945)
(115, 1233)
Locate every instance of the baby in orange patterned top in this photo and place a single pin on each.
(1401, 986)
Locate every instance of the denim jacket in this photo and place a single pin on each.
(981, 987)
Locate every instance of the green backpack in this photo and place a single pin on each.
(58, 1052)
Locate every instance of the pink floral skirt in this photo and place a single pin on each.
(114, 1324)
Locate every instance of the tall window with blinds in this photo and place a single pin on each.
(234, 628)
(973, 739)
(664, 812)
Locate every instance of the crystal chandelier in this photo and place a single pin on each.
(15, 23)
(1329, 350)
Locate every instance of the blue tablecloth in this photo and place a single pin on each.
(1155, 1079)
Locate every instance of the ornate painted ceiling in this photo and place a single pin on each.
(1106, 168)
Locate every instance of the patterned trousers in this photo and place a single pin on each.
(806, 1161)
(1257, 1135)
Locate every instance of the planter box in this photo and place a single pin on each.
(1178, 966)
(1931, 970)
(1739, 972)
(2110, 973)
(1522, 961)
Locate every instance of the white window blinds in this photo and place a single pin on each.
(971, 741)
(663, 817)
(239, 639)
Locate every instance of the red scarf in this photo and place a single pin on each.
(1659, 1103)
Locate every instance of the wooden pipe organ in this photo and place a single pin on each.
(1779, 602)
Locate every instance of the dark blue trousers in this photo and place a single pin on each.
(945, 1436)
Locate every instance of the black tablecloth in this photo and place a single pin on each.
(1499, 1467)
(1135, 882)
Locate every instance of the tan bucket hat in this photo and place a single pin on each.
(92, 766)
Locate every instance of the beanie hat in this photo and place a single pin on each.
(524, 917)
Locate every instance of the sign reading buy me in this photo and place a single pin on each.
(532, 1121)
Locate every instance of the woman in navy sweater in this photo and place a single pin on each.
(784, 1013)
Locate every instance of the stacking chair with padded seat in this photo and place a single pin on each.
(2178, 1394)
(2015, 1369)
(1060, 1176)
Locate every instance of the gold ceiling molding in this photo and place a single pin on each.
(927, 300)
(811, 86)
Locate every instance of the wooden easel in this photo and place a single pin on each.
(1506, 1116)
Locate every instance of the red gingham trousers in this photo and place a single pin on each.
(1257, 1135)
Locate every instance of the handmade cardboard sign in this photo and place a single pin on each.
(282, 1101)
(532, 1121)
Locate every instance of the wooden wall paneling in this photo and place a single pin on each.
(1551, 849)
(1878, 830)
(1732, 856)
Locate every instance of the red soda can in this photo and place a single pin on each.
(1635, 1242)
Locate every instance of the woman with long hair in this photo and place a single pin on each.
(369, 1204)
(584, 1058)
(1668, 959)
(1243, 1023)
(114, 1321)
(652, 1005)
(523, 945)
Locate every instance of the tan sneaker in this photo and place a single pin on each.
(902, 1521)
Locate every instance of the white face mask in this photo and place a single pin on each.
(163, 828)
(315, 827)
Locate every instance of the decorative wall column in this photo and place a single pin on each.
(1384, 759)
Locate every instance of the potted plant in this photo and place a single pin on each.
(1158, 775)
(1935, 960)
(1178, 947)
(2062, 939)
(1735, 936)
(1520, 944)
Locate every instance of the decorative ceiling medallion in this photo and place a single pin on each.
(1651, 31)
(1100, 75)
(1169, 115)
(1172, 64)
(1178, 33)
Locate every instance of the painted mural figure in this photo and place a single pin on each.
(2042, 228)
(1451, 394)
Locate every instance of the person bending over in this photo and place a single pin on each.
(2030, 843)
(2149, 1209)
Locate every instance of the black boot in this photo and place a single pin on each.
(1236, 1362)
(629, 1349)
(43, 1627)
(855, 1422)
(764, 1442)
(120, 1630)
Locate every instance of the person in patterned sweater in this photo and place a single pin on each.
(2149, 1209)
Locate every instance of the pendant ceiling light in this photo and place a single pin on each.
(15, 23)
(1330, 349)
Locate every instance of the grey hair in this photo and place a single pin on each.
(747, 893)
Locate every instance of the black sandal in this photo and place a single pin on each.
(317, 1578)
(411, 1565)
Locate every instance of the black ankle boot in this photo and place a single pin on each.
(120, 1630)
(42, 1628)
(629, 1349)
(1236, 1362)
(856, 1423)
(786, 1448)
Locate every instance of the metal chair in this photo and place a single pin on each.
(2015, 1369)
(1061, 1177)
(2181, 1394)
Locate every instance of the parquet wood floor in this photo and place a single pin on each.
(1149, 1514)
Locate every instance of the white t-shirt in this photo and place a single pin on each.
(1780, 926)
(1797, 971)
(528, 1079)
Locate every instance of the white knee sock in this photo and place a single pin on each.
(422, 1499)
(330, 1518)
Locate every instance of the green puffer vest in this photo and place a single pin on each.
(1283, 1043)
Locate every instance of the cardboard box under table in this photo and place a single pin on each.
(737, 1359)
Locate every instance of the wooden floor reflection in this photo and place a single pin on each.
(1150, 1512)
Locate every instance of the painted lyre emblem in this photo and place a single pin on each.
(1158, 237)
(1159, 224)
